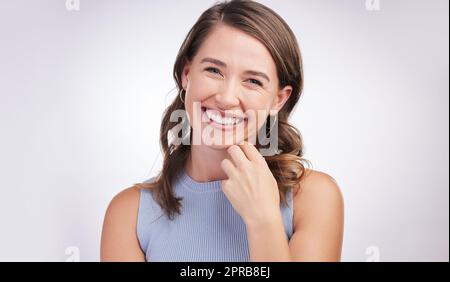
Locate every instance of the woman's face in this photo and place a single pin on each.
(231, 88)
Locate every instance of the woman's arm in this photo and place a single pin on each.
(319, 220)
(119, 240)
(318, 225)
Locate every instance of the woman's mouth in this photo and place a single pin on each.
(216, 119)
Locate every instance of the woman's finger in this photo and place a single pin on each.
(238, 156)
(229, 168)
(251, 152)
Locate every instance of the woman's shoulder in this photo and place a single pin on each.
(314, 178)
(318, 218)
(128, 198)
(318, 193)
(119, 227)
(123, 207)
(125, 204)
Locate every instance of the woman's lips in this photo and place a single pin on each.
(217, 125)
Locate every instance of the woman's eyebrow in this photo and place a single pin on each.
(214, 61)
(222, 64)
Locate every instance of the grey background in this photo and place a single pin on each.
(82, 94)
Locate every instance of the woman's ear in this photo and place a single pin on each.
(185, 75)
(281, 98)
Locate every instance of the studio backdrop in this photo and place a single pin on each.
(83, 86)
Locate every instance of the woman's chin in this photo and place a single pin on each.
(223, 145)
(219, 140)
(220, 146)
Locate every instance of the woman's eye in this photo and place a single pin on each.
(213, 70)
(216, 71)
(257, 82)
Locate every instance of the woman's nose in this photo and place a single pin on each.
(228, 96)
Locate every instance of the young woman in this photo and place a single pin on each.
(227, 201)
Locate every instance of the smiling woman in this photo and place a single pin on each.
(240, 64)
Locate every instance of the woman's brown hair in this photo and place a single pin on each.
(269, 28)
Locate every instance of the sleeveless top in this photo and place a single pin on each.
(208, 228)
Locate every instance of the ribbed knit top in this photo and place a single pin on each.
(208, 229)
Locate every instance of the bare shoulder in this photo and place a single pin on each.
(319, 193)
(126, 202)
(119, 240)
(317, 183)
(318, 219)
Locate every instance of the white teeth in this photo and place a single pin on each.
(222, 120)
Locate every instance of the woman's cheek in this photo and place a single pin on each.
(210, 86)
(257, 108)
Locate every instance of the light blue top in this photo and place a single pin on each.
(208, 229)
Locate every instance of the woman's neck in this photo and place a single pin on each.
(204, 163)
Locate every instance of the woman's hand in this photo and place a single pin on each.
(251, 188)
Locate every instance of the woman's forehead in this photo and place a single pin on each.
(236, 48)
